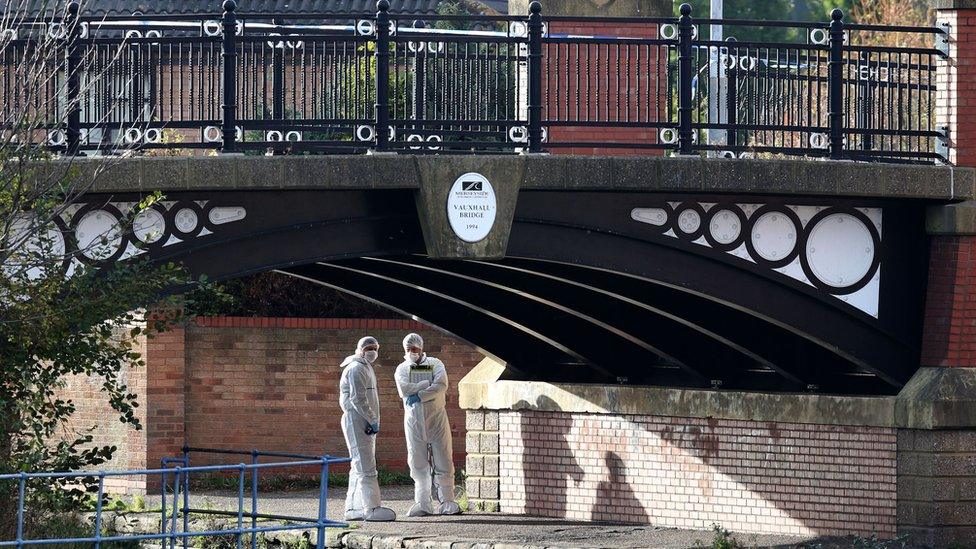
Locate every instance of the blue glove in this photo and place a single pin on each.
(412, 399)
(373, 429)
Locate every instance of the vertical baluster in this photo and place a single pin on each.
(382, 75)
(535, 77)
(835, 91)
(685, 76)
(229, 92)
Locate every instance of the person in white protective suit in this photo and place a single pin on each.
(360, 424)
(422, 383)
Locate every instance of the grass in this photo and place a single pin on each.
(292, 483)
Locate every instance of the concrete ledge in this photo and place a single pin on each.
(481, 389)
(531, 172)
(952, 4)
(935, 398)
(951, 219)
(938, 398)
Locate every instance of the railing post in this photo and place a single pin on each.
(323, 503)
(382, 75)
(21, 494)
(535, 77)
(278, 78)
(254, 498)
(419, 78)
(686, 74)
(186, 496)
(835, 92)
(72, 68)
(228, 55)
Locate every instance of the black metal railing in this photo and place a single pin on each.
(252, 82)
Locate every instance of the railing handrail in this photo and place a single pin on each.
(528, 49)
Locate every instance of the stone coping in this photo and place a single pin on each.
(533, 172)
(935, 398)
(951, 219)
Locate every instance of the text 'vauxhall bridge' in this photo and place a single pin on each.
(748, 271)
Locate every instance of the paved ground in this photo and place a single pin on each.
(472, 527)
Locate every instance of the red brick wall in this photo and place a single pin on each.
(949, 337)
(272, 383)
(93, 410)
(748, 476)
(613, 84)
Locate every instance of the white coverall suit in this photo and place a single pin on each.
(360, 408)
(426, 423)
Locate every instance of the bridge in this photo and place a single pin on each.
(749, 237)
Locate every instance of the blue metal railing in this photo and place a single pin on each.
(179, 470)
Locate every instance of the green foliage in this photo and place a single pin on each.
(722, 539)
(59, 319)
(276, 295)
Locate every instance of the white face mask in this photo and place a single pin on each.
(413, 357)
(371, 356)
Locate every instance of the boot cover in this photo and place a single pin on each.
(380, 514)
(450, 508)
(419, 510)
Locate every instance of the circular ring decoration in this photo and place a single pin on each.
(153, 135)
(239, 133)
(83, 30)
(57, 138)
(434, 139)
(132, 135)
(185, 218)
(518, 134)
(150, 228)
(414, 47)
(727, 154)
(57, 31)
(132, 33)
(415, 138)
(154, 34)
(840, 250)
(435, 47)
(819, 36)
(211, 27)
(98, 233)
(818, 141)
(668, 136)
(273, 135)
(9, 34)
(725, 227)
(668, 31)
(212, 134)
(293, 136)
(688, 221)
(365, 133)
(518, 29)
(392, 135)
(365, 27)
(773, 237)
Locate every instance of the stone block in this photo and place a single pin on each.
(491, 421)
(472, 443)
(474, 465)
(489, 488)
(473, 487)
(489, 443)
(358, 540)
(490, 465)
(474, 420)
(387, 542)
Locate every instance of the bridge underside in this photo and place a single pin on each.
(592, 288)
(556, 321)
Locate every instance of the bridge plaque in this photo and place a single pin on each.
(471, 207)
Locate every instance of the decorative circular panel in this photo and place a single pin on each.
(725, 227)
(689, 221)
(149, 226)
(773, 236)
(840, 252)
(186, 220)
(98, 235)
